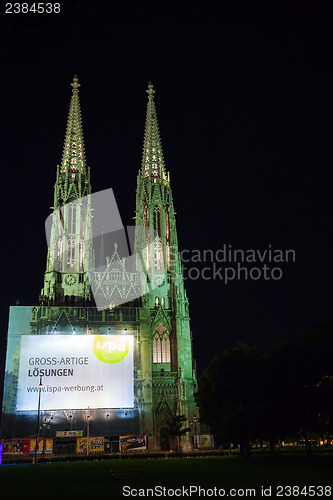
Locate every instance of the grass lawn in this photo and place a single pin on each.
(91, 479)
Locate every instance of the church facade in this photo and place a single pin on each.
(118, 292)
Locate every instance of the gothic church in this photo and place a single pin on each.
(146, 299)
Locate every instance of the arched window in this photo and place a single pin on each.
(158, 258)
(71, 252)
(59, 263)
(167, 224)
(167, 237)
(82, 246)
(157, 353)
(161, 345)
(146, 216)
(60, 241)
(157, 220)
(147, 236)
(72, 218)
(165, 343)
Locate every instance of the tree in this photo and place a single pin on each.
(245, 395)
(176, 429)
(316, 353)
(232, 396)
(284, 392)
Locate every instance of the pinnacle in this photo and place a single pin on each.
(150, 90)
(75, 83)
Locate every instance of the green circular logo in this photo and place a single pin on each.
(111, 348)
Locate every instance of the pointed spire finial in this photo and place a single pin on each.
(150, 90)
(75, 83)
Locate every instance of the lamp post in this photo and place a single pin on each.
(195, 432)
(38, 418)
(88, 416)
(107, 432)
(125, 415)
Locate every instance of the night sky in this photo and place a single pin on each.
(244, 102)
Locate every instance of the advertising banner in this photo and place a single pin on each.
(205, 441)
(77, 372)
(26, 446)
(127, 443)
(48, 447)
(95, 445)
(69, 433)
(13, 447)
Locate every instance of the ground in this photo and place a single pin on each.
(90, 479)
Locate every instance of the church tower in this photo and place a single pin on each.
(70, 254)
(174, 379)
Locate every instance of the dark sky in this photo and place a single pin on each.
(243, 95)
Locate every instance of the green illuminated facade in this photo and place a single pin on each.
(164, 371)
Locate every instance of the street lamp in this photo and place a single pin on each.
(125, 415)
(88, 416)
(38, 418)
(70, 418)
(195, 432)
(107, 424)
(107, 437)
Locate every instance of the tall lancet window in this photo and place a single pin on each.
(158, 257)
(147, 238)
(157, 220)
(146, 216)
(82, 255)
(60, 244)
(146, 166)
(167, 237)
(72, 218)
(161, 345)
(71, 252)
(82, 225)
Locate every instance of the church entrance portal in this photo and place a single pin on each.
(164, 439)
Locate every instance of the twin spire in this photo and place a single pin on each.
(73, 158)
(152, 159)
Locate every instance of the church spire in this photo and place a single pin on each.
(155, 212)
(73, 158)
(73, 176)
(70, 253)
(152, 160)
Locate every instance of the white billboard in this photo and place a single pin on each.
(77, 371)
